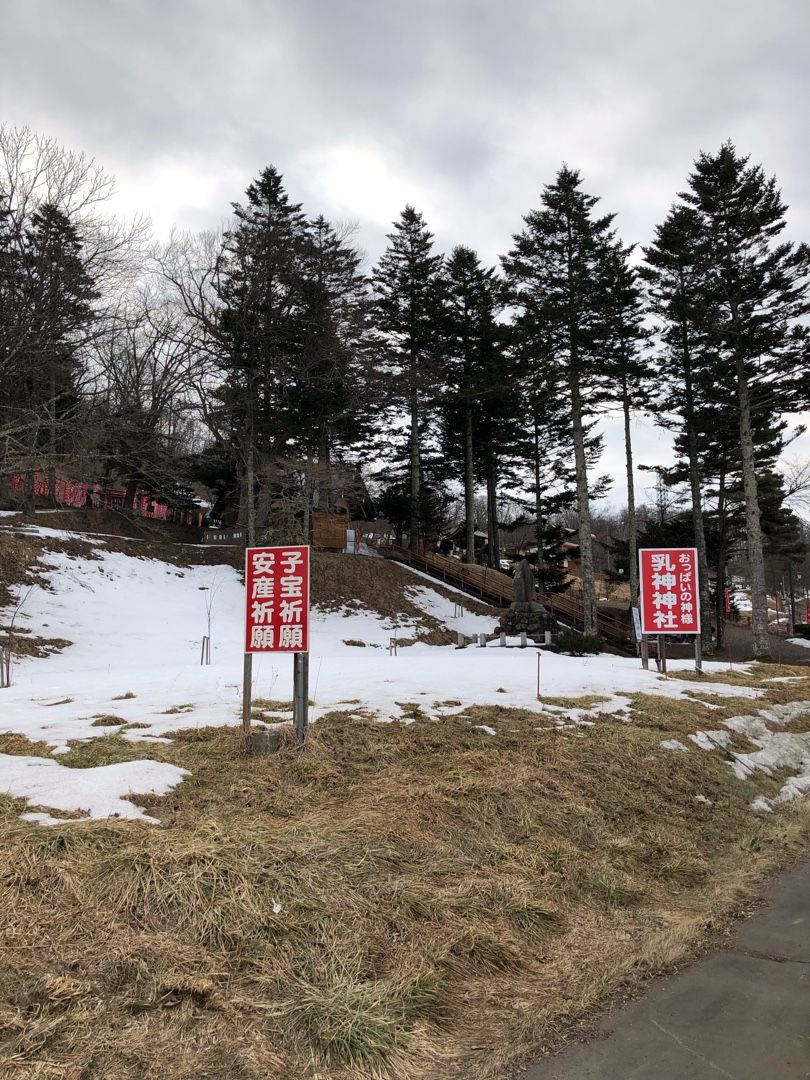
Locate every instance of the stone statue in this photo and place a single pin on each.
(523, 586)
(525, 615)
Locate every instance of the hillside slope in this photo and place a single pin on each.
(364, 909)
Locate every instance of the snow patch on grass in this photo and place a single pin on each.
(777, 749)
(99, 792)
(673, 744)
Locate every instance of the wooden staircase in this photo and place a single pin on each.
(494, 587)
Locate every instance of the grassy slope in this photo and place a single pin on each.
(449, 901)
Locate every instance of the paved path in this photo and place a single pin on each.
(742, 1013)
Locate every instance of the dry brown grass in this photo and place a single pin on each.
(18, 563)
(434, 883)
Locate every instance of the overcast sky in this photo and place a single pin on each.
(464, 108)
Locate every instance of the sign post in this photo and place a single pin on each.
(669, 596)
(277, 620)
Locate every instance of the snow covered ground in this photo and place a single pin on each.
(137, 626)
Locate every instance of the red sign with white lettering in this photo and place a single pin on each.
(277, 599)
(668, 586)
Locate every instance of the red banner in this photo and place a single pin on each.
(277, 599)
(668, 584)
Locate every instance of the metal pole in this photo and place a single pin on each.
(301, 696)
(247, 693)
(662, 652)
(645, 652)
(698, 655)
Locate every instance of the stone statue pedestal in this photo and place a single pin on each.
(525, 615)
(530, 619)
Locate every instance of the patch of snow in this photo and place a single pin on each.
(703, 800)
(802, 642)
(39, 817)
(433, 603)
(55, 534)
(486, 729)
(99, 792)
(711, 740)
(673, 744)
(777, 749)
(761, 803)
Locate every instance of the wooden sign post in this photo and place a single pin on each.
(277, 620)
(669, 596)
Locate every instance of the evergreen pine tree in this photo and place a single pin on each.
(759, 288)
(330, 394)
(407, 301)
(556, 273)
(674, 272)
(471, 357)
(57, 295)
(261, 290)
(628, 370)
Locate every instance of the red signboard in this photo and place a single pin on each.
(668, 579)
(277, 599)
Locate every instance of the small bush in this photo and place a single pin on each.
(572, 643)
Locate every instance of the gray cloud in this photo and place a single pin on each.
(468, 104)
(463, 107)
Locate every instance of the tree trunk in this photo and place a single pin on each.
(250, 472)
(632, 532)
(759, 595)
(52, 439)
(306, 507)
(469, 486)
(129, 495)
(30, 493)
(492, 513)
(325, 470)
(415, 522)
(539, 519)
(5, 478)
(250, 493)
(722, 545)
(584, 510)
(697, 511)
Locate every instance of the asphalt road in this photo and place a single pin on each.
(742, 1013)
